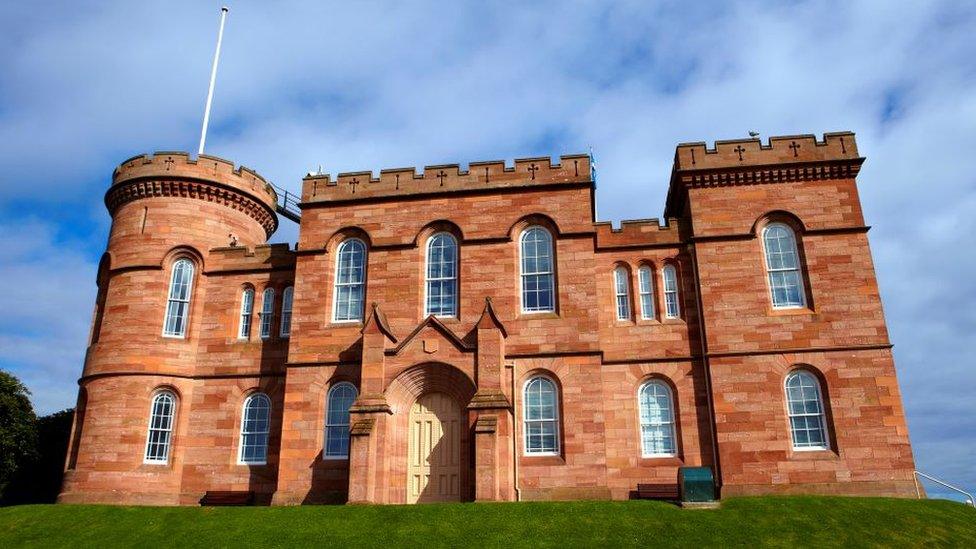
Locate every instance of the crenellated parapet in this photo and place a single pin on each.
(447, 178)
(751, 162)
(268, 257)
(637, 233)
(176, 174)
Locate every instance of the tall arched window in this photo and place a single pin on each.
(267, 312)
(255, 426)
(341, 396)
(286, 303)
(645, 283)
(671, 307)
(656, 420)
(808, 426)
(783, 266)
(350, 281)
(442, 272)
(621, 290)
(178, 302)
(247, 307)
(538, 286)
(541, 417)
(161, 415)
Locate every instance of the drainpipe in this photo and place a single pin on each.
(518, 493)
(708, 370)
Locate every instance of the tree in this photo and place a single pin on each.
(18, 428)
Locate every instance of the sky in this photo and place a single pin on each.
(361, 85)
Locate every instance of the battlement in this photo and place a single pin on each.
(180, 166)
(259, 258)
(785, 149)
(526, 172)
(635, 233)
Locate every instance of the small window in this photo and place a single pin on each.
(538, 287)
(255, 426)
(441, 286)
(621, 289)
(350, 281)
(286, 302)
(646, 286)
(656, 420)
(160, 435)
(178, 302)
(341, 397)
(247, 307)
(267, 312)
(808, 426)
(670, 274)
(541, 419)
(783, 267)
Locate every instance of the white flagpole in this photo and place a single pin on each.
(213, 80)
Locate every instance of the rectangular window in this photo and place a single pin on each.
(247, 308)
(267, 313)
(286, 304)
(178, 300)
(671, 292)
(646, 286)
(160, 428)
(541, 417)
(622, 293)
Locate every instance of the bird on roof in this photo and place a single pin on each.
(753, 134)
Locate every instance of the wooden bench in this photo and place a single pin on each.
(227, 498)
(656, 491)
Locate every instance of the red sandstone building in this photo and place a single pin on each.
(478, 335)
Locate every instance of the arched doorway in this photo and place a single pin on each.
(434, 449)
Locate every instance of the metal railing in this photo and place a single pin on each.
(970, 500)
(287, 204)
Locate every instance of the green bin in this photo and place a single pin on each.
(696, 484)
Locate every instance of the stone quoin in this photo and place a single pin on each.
(476, 334)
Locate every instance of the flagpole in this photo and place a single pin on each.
(213, 80)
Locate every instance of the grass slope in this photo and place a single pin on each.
(768, 521)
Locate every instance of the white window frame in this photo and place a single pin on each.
(645, 292)
(551, 274)
(267, 313)
(166, 428)
(328, 425)
(526, 450)
(621, 292)
(453, 279)
(244, 433)
(672, 296)
(336, 284)
(770, 270)
(821, 415)
(287, 303)
(245, 316)
(670, 425)
(172, 299)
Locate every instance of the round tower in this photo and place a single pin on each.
(169, 211)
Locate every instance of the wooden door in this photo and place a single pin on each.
(434, 453)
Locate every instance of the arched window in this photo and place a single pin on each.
(621, 290)
(645, 284)
(541, 417)
(442, 272)
(538, 287)
(247, 307)
(161, 415)
(341, 397)
(178, 303)
(656, 420)
(267, 312)
(783, 266)
(255, 426)
(350, 281)
(808, 426)
(286, 303)
(671, 308)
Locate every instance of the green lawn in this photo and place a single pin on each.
(769, 521)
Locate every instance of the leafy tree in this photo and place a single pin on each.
(18, 428)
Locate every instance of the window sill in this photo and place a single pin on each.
(539, 315)
(813, 455)
(543, 459)
(661, 461)
(789, 311)
(346, 324)
(678, 320)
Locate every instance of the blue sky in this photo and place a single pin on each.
(353, 86)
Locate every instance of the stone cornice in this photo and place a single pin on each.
(162, 186)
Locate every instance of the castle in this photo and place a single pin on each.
(478, 335)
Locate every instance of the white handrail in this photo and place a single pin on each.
(970, 500)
